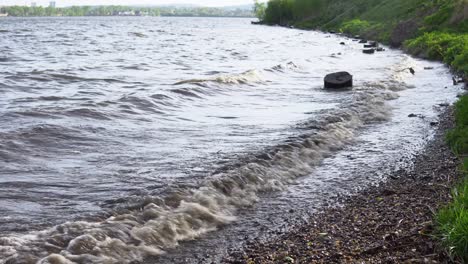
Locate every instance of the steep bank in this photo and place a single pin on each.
(391, 223)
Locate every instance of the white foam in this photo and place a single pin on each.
(129, 237)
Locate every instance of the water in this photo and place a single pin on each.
(122, 137)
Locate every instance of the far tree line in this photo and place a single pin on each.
(38, 11)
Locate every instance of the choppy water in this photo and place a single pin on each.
(122, 137)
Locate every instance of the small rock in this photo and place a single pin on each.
(412, 115)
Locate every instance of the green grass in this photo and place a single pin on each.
(452, 223)
(452, 48)
(452, 220)
(356, 26)
(457, 138)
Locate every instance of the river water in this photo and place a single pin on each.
(123, 137)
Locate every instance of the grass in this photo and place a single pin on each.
(452, 223)
(457, 138)
(452, 48)
(452, 220)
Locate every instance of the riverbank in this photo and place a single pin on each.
(391, 223)
(435, 30)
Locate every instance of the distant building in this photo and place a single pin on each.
(33, 4)
(52, 4)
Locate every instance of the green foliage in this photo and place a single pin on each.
(453, 223)
(306, 8)
(450, 47)
(356, 26)
(457, 138)
(465, 165)
(439, 17)
(279, 12)
(382, 15)
(259, 10)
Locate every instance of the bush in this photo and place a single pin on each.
(356, 27)
(279, 12)
(449, 47)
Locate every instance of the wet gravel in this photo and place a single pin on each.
(392, 223)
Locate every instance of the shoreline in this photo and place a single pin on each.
(391, 223)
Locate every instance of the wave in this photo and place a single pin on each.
(38, 139)
(290, 66)
(248, 77)
(137, 34)
(45, 76)
(156, 224)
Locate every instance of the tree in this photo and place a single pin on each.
(259, 10)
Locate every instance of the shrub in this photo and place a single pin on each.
(356, 26)
(449, 47)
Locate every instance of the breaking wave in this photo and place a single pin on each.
(248, 77)
(157, 224)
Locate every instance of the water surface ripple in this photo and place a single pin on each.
(122, 137)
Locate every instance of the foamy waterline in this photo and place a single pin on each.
(157, 226)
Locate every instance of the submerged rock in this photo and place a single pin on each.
(374, 44)
(362, 41)
(338, 80)
(371, 44)
(368, 51)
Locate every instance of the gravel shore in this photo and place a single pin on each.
(392, 223)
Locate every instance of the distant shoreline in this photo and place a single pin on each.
(125, 11)
(126, 16)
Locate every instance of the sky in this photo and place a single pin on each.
(128, 2)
